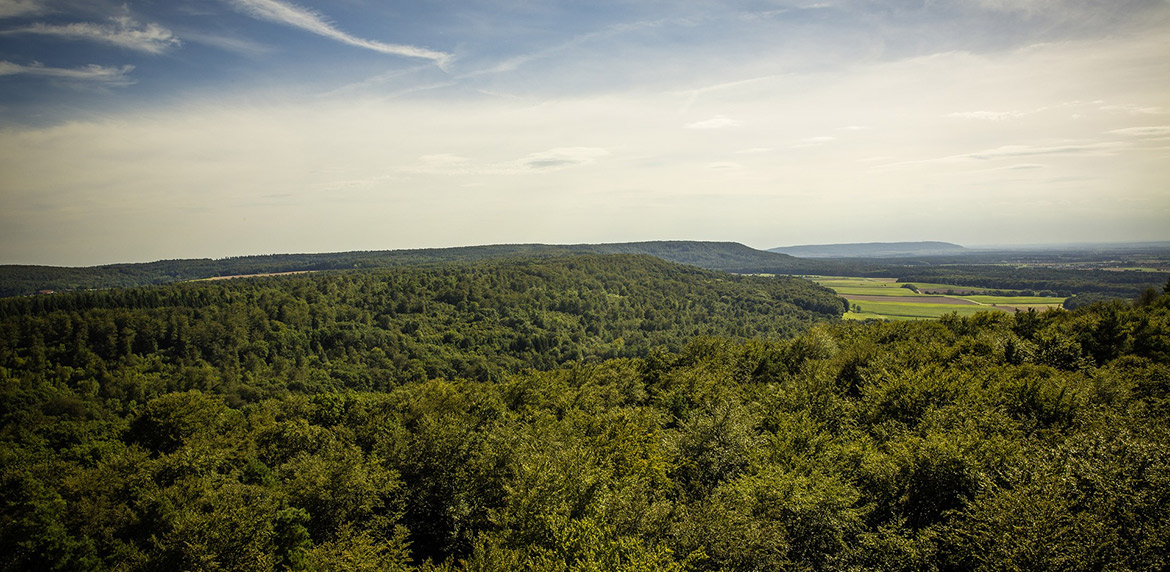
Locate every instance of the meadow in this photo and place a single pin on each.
(888, 299)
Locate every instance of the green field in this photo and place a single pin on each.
(897, 308)
(850, 286)
(872, 290)
(944, 287)
(910, 311)
(1016, 300)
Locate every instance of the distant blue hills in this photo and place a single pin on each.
(870, 249)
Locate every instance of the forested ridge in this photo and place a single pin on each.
(1009, 270)
(17, 280)
(697, 421)
(373, 330)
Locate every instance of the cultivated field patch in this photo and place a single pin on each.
(886, 299)
(918, 299)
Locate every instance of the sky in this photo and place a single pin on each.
(143, 130)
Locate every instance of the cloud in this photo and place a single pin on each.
(724, 166)
(311, 21)
(110, 76)
(717, 122)
(813, 142)
(229, 44)
(14, 8)
(1101, 149)
(1144, 132)
(1029, 6)
(122, 31)
(516, 62)
(550, 160)
(1007, 151)
(988, 115)
(1134, 109)
(563, 157)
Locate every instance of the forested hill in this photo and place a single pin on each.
(16, 280)
(725, 256)
(376, 329)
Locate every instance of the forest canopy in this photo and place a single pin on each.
(583, 413)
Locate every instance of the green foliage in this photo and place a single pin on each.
(17, 280)
(328, 422)
(247, 340)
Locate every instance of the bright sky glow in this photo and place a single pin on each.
(136, 131)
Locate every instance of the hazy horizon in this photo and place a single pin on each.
(975, 248)
(139, 131)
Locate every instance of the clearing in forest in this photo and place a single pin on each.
(887, 299)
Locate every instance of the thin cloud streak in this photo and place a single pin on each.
(1099, 149)
(516, 62)
(552, 159)
(228, 44)
(109, 76)
(1155, 132)
(122, 31)
(311, 21)
(14, 8)
(988, 115)
(1107, 147)
(717, 122)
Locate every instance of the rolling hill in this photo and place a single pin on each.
(18, 280)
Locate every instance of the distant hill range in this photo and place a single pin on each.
(17, 280)
(870, 249)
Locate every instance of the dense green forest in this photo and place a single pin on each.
(1060, 273)
(446, 418)
(373, 330)
(17, 280)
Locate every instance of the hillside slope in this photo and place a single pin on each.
(16, 280)
(372, 330)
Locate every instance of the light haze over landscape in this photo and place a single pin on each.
(136, 131)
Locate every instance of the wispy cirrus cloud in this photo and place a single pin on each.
(813, 142)
(107, 76)
(717, 122)
(316, 23)
(1154, 132)
(1133, 109)
(516, 62)
(988, 115)
(228, 44)
(122, 31)
(548, 160)
(1009, 151)
(563, 157)
(14, 8)
(1097, 149)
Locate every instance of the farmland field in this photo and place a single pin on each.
(910, 311)
(933, 288)
(887, 299)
